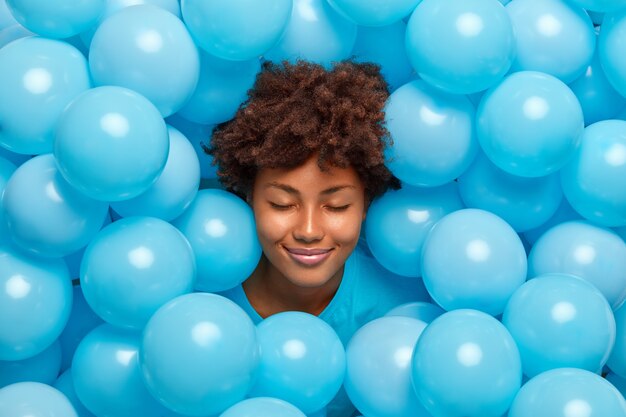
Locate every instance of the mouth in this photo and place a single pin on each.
(308, 257)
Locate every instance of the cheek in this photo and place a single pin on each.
(345, 229)
(270, 228)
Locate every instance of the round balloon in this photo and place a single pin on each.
(263, 407)
(374, 12)
(11, 33)
(65, 384)
(610, 43)
(34, 399)
(601, 6)
(419, 310)
(564, 213)
(199, 135)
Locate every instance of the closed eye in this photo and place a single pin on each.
(280, 206)
(338, 208)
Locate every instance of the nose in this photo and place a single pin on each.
(309, 227)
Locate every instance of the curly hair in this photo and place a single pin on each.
(297, 110)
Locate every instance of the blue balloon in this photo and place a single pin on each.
(460, 47)
(107, 376)
(58, 19)
(397, 224)
(432, 132)
(473, 259)
(302, 361)
(315, 32)
(547, 316)
(419, 310)
(564, 213)
(47, 216)
(175, 188)
(568, 392)
(43, 367)
(374, 12)
(11, 33)
(34, 399)
(262, 407)
(237, 29)
(221, 230)
(6, 17)
(580, 248)
(7, 168)
(592, 180)
(148, 50)
(38, 78)
(199, 135)
(522, 202)
(617, 359)
(530, 124)
(610, 44)
(600, 6)
(73, 260)
(35, 303)
(378, 373)
(65, 384)
(222, 87)
(199, 354)
(466, 363)
(552, 37)
(133, 267)
(111, 143)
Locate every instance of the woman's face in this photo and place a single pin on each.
(308, 221)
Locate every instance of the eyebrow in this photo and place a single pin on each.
(289, 189)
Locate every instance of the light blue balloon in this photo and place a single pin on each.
(564, 213)
(397, 224)
(473, 259)
(385, 47)
(583, 249)
(610, 44)
(302, 361)
(199, 354)
(11, 33)
(378, 373)
(617, 359)
(34, 399)
(315, 32)
(432, 132)
(134, 266)
(568, 391)
(522, 202)
(111, 143)
(47, 216)
(530, 124)
(43, 367)
(35, 303)
(374, 12)
(175, 188)
(237, 30)
(592, 181)
(149, 50)
(199, 135)
(547, 316)
(38, 78)
(552, 37)
(466, 363)
(419, 310)
(601, 6)
(221, 230)
(7, 168)
(81, 321)
(58, 19)
(107, 376)
(65, 384)
(460, 47)
(262, 407)
(73, 260)
(6, 17)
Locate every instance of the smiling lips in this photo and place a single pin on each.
(308, 257)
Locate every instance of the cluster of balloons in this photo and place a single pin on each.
(508, 123)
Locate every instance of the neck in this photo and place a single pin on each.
(270, 292)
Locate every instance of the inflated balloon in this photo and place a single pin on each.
(473, 259)
(7, 168)
(610, 42)
(302, 361)
(397, 224)
(199, 135)
(599, 6)
(564, 213)
(134, 266)
(58, 19)
(199, 354)
(6, 17)
(47, 216)
(35, 303)
(374, 12)
(107, 376)
(34, 399)
(530, 124)
(378, 373)
(221, 88)
(433, 134)
(38, 78)
(317, 33)
(43, 367)
(262, 407)
(419, 310)
(593, 180)
(524, 203)
(65, 384)
(175, 188)
(111, 143)
(457, 361)
(547, 316)
(568, 392)
(552, 37)
(149, 50)
(617, 360)
(221, 230)
(460, 47)
(73, 260)
(11, 33)
(238, 29)
(583, 249)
